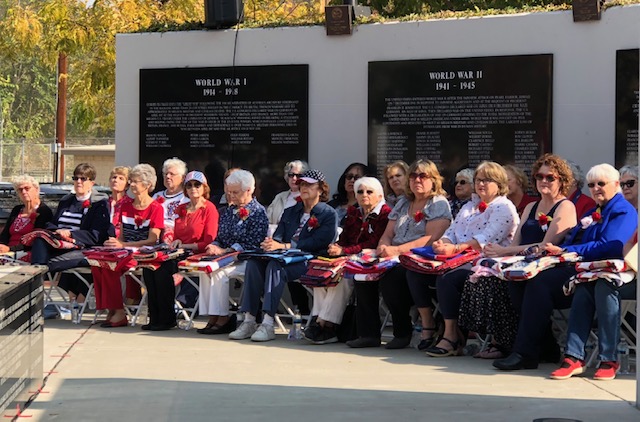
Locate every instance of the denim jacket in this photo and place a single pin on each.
(313, 240)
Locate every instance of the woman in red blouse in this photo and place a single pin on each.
(363, 228)
(26, 217)
(195, 228)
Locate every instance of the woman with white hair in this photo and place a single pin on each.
(29, 215)
(174, 171)
(141, 222)
(600, 234)
(629, 184)
(463, 189)
(242, 226)
(292, 171)
(364, 226)
(582, 202)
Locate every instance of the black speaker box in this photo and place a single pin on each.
(223, 13)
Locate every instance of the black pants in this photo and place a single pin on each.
(422, 287)
(161, 293)
(449, 286)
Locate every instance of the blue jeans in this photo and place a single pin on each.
(599, 298)
(267, 278)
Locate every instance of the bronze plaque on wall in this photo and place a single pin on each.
(459, 112)
(627, 69)
(338, 19)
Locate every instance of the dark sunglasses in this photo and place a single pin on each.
(421, 176)
(193, 184)
(628, 184)
(600, 183)
(460, 182)
(352, 176)
(292, 175)
(81, 178)
(549, 178)
(361, 192)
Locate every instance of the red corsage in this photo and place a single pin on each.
(298, 198)
(482, 206)
(182, 211)
(596, 216)
(139, 220)
(312, 223)
(243, 213)
(543, 221)
(418, 216)
(160, 200)
(86, 203)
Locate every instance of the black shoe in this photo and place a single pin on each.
(226, 328)
(326, 335)
(312, 332)
(148, 327)
(426, 343)
(362, 342)
(398, 343)
(514, 362)
(162, 327)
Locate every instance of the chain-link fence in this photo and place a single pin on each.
(36, 156)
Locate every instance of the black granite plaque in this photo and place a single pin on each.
(627, 69)
(254, 117)
(586, 10)
(459, 112)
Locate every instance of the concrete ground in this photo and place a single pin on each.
(126, 374)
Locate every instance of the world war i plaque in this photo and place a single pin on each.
(459, 112)
(215, 118)
(627, 69)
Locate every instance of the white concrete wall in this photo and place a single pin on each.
(583, 80)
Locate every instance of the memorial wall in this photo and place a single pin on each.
(627, 70)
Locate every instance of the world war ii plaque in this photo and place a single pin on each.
(459, 112)
(215, 118)
(627, 69)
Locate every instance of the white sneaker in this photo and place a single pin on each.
(264, 332)
(245, 330)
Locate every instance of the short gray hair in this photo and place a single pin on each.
(25, 178)
(242, 177)
(467, 174)
(370, 182)
(630, 170)
(304, 166)
(180, 165)
(578, 175)
(603, 171)
(146, 173)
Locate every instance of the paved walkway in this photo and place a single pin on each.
(126, 374)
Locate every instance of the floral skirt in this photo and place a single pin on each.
(485, 308)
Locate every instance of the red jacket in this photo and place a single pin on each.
(358, 234)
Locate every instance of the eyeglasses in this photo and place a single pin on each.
(292, 175)
(460, 182)
(135, 182)
(361, 192)
(421, 176)
(352, 176)
(193, 185)
(628, 184)
(549, 178)
(483, 181)
(600, 183)
(80, 178)
(23, 188)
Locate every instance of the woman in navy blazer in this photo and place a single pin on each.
(310, 225)
(601, 234)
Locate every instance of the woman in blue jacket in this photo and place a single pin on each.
(601, 234)
(310, 226)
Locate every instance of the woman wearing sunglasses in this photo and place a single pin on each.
(346, 196)
(419, 218)
(462, 191)
(629, 184)
(600, 234)
(288, 198)
(486, 306)
(363, 228)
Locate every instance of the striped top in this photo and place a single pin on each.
(135, 224)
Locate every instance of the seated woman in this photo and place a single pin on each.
(486, 305)
(518, 185)
(601, 234)
(346, 196)
(292, 171)
(195, 228)
(141, 222)
(309, 225)
(488, 218)
(243, 226)
(362, 230)
(462, 191)
(82, 216)
(629, 184)
(395, 181)
(419, 218)
(24, 218)
(600, 298)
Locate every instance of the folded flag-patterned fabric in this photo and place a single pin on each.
(421, 264)
(114, 259)
(609, 265)
(614, 271)
(208, 263)
(529, 268)
(284, 256)
(492, 267)
(323, 272)
(367, 267)
(52, 238)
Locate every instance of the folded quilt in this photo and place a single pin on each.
(423, 265)
(427, 252)
(52, 238)
(114, 259)
(492, 267)
(324, 272)
(284, 256)
(529, 268)
(614, 271)
(365, 266)
(208, 263)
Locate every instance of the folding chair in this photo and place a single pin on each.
(193, 278)
(133, 311)
(627, 331)
(62, 298)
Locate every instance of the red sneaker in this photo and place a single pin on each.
(569, 368)
(607, 371)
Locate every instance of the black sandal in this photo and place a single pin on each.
(440, 352)
(426, 343)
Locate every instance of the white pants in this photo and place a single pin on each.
(214, 289)
(329, 303)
